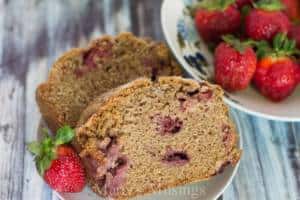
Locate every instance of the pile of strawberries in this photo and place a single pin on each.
(253, 41)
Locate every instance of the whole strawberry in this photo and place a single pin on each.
(58, 163)
(214, 18)
(235, 64)
(295, 34)
(266, 20)
(276, 74)
(292, 9)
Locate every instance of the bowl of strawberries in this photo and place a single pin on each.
(251, 48)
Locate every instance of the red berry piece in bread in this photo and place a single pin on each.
(95, 54)
(292, 9)
(241, 3)
(167, 125)
(58, 163)
(266, 20)
(214, 18)
(235, 64)
(276, 73)
(295, 34)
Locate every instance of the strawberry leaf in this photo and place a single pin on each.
(269, 5)
(289, 45)
(263, 48)
(47, 144)
(282, 46)
(45, 132)
(236, 43)
(44, 163)
(246, 10)
(34, 148)
(45, 151)
(215, 4)
(64, 135)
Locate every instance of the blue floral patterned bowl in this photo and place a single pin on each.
(194, 56)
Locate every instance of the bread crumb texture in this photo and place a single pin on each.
(148, 136)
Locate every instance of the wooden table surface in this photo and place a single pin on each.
(32, 35)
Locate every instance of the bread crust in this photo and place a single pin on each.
(58, 112)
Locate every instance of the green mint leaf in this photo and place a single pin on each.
(64, 135)
(34, 148)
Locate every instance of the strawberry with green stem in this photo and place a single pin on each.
(235, 63)
(57, 162)
(266, 20)
(276, 73)
(214, 18)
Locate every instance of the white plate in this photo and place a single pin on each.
(205, 190)
(191, 52)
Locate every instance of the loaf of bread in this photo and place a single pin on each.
(150, 135)
(80, 75)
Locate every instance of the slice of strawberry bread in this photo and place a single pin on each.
(82, 74)
(150, 135)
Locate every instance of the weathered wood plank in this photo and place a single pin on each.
(269, 146)
(54, 37)
(116, 16)
(12, 73)
(145, 17)
(272, 158)
(11, 137)
(294, 152)
(248, 182)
